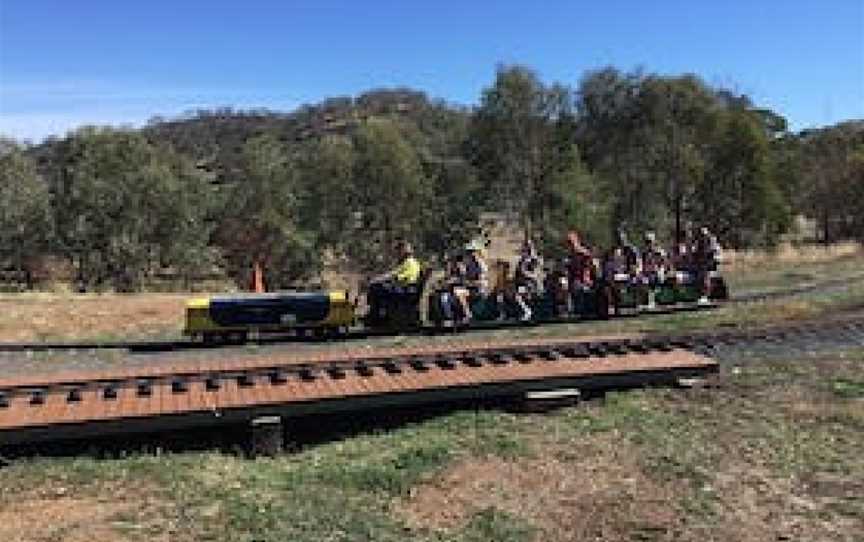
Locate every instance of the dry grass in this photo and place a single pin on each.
(790, 255)
(57, 316)
(599, 493)
(110, 512)
(772, 453)
(46, 317)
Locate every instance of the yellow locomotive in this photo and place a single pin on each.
(232, 318)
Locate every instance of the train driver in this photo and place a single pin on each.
(405, 274)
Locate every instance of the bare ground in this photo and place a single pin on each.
(771, 455)
(112, 512)
(595, 493)
(47, 317)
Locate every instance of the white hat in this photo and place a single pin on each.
(473, 246)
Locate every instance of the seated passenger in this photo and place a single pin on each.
(706, 256)
(528, 268)
(581, 271)
(615, 267)
(654, 261)
(456, 284)
(527, 278)
(476, 271)
(469, 279)
(715, 253)
(682, 263)
(395, 282)
(555, 284)
(626, 253)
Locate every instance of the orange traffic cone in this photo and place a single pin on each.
(257, 285)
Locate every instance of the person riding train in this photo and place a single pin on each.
(527, 278)
(387, 287)
(654, 266)
(467, 279)
(706, 259)
(625, 256)
(581, 272)
(654, 260)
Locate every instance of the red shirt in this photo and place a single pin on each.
(580, 266)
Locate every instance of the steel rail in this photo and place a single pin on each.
(119, 400)
(360, 334)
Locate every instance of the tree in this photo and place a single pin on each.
(389, 191)
(450, 212)
(25, 210)
(326, 183)
(828, 184)
(260, 220)
(739, 197)
(644, 134)
(124, 206)
(523, 139)
(677, 152)
(577, 200)
(855, 192)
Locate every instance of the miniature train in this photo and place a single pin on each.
(424, 305)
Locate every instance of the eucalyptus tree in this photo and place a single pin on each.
(260, 222)
(25, 211)
(523, 144)
(388, 193)
(830, 179)
(124, 206)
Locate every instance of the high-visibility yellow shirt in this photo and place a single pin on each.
(408, 272)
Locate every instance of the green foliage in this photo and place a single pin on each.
(389, 191)
(124, 207)
(340, 181)
(847, 388)
(678, 153)
(260, 218)
(522, 143)
(739, 195)
(326, 168)
(577, 200)
(832, 171)
(494, 524)
(25, 209)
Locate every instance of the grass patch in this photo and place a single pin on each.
(848, 388)
(773, 452)
(492, 524)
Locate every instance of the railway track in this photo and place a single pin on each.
(183, 345)
(232, 388)
(231, 391)
(89, 404)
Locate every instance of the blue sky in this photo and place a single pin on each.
(64, 63)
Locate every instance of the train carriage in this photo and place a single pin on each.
(230, 319)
